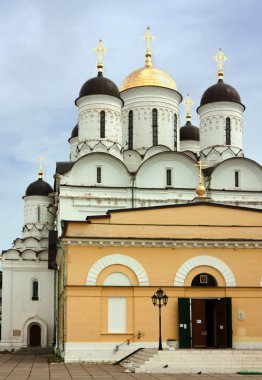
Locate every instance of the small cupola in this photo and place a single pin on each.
(189, 134)
(221, 91)
(99, 85)
(39, 187)
(221, 120)
(189, 131)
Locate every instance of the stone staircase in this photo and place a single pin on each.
(194, 361)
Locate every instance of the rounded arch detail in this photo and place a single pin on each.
(128, 261)
(38, 321)
(204, 260)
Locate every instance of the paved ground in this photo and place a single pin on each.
(31, 367)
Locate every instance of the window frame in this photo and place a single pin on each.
(169, 177)
(228, 131)
(154, 127)
(237, 178)
(102, 124)
(99, 175)
(130, 129)
(35, 293)
(175, 132)
(38, 214)
(111, 330)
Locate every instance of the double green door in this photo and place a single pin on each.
(205, 323)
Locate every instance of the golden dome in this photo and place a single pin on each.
(148, 76)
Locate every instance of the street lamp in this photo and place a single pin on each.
(160, 299)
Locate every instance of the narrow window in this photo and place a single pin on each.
(175, 132)
(130, 130)
(228, 131)
(102, 124)
(155, 127)
(236, 178)
(38, 214)
(99, 174)
(35, 291)
(168, 177)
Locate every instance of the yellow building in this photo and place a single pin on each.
(205, 256)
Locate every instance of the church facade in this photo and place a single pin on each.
(206, 257)
(128, 151)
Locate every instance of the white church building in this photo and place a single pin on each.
(129, 149)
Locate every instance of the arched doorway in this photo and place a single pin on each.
(205, 321)
(34, 335)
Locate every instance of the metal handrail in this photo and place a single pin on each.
(128, 341)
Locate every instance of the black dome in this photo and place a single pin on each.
(74, 131)
(220, 92)
(99, 86)
(38, 187)
(189, 132)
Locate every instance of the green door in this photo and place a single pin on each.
(184, 322)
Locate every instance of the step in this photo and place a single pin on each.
(194, 361)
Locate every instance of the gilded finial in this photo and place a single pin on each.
(200, 190)
(148, 37)
(100, 52)
(40, 171)
(188, 102)
(220, 59)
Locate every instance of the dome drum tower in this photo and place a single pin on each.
(151, 107)
(221, 122)
(99, 115)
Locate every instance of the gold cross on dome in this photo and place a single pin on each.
(200, 165)
(149, 38)
(220, 59)
(40, 171)
(100, 52)
(188, 102)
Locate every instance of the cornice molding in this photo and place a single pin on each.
(231, 244)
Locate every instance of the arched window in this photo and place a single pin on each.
(102, 124)
(35, 296)
(117, 279)
(204, 279)
(155, 127)
(175, 132)
(236, 178)
(168, 177)
(98, 174)
(130, 130)
(38, 214)
(228, 131)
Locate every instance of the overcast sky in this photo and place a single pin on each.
(46, 55)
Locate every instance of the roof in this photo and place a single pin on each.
(39, 187)
(99, 85)
(189, 132)
(220, 92)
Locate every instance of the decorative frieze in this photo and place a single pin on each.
(164, 243)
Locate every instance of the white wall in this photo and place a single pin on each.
(152, 173)
(250, 175)
(142, 100)
(89, 124)
(18, 308)
(213, 124)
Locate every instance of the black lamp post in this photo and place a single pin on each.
(160, 299)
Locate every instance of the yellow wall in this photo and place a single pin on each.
(87, 306)
(161, 264)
